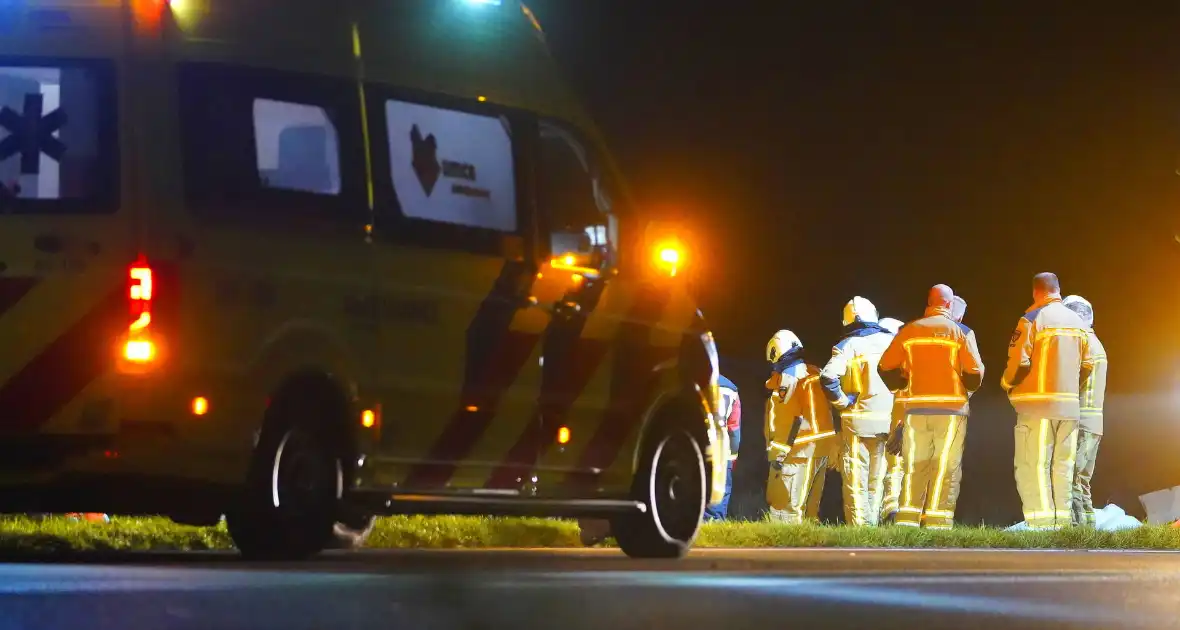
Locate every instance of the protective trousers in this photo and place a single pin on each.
(891, 486)
(1082, 503)
(933, 453)
(794, 492)
(721, 510)
(862, 469)
(1045, 451)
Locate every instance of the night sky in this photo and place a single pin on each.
(831, 149)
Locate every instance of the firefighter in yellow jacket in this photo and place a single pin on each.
(799, 432)
(1043, 382)
(852, 385)
(1090, 426)
(935, 365)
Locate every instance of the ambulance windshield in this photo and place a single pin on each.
(57, 139)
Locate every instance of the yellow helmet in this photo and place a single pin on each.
(781, 343)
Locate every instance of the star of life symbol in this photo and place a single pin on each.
(30, 134)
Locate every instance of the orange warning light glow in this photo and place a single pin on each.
(139, 351)
(563, 435)
(200, 406)
(368, 418)
(669, 256)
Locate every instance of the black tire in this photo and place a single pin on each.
(289, 506)
(671, 483)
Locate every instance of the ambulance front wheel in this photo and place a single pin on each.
(671, 482)
(289, 506)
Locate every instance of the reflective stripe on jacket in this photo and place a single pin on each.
(731, 410)
(933, 365)
(1093, 384)
(796, 393)
(1043, 375)
(853, 385)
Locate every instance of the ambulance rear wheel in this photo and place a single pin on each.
(671, 483)
(288, 508)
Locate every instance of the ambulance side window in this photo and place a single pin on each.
(58, 137)
(296, 147)
(263, 144)
(447, 173)
(575, 199)
(451, 166)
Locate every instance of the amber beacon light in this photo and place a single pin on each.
(669, 256)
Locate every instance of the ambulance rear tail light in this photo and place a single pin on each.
(139, 348)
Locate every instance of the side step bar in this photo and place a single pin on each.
(435, 504)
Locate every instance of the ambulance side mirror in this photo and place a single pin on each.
(576, 251)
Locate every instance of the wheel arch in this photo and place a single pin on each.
(315, 383)
(686, 406)
(303, 358)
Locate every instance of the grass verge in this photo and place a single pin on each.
(18, 534)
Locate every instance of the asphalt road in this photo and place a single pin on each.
(602, 590)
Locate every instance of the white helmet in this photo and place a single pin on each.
(891, 324)
(1082, 307)
(781, 343)
(859, 309)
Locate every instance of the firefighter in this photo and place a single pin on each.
(730, 408)
(799, 432)
(1090, 425)
(894, 471)
(934, 365)
(1042, 380)
(852, 385)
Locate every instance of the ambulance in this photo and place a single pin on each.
(301, 263)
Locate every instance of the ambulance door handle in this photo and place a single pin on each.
(49, 243)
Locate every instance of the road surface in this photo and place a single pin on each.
(602, 590)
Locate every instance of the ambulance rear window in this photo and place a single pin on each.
(57, 137)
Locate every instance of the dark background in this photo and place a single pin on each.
(830, 149)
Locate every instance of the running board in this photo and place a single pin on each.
(492, 505)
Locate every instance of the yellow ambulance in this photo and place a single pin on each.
(300, 263)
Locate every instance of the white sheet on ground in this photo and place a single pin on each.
(1108, 519)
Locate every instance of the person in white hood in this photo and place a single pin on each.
(1090, 426)
(891, 324)
(853, 386)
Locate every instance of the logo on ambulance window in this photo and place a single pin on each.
(425, 159)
